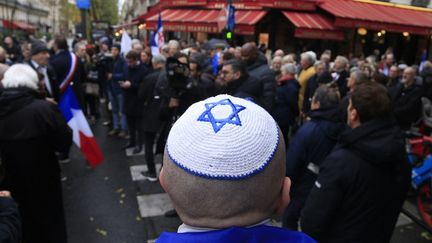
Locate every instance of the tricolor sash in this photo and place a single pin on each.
(71, 73)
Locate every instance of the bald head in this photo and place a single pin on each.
(220, 204)
(249, 53)
(225, 174)
(408, 76)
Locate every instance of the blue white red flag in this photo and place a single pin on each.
(157, 39)
(82, 134)
(423, 60)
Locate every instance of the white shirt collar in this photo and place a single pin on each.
(36, 65)
(184, 228)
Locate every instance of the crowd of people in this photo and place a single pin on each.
(340, 120)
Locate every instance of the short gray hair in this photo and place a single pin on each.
(289, 68)
(328, 97)
(78, 45)
(20, 75)
(310, 56)
(343, 59)
(359, 77)
(158, 59)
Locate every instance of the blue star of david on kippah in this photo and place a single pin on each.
(217, 124)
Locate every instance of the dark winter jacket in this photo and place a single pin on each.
(52, 77)
(341, 82)
(31, 131)
(119, 71)
(246, 87)
(10, 221)
(151, 101)
(61, 63)
(133, 106)
(261, 71)
(407, 104)
(361, 186)
(286, 109)
(309, 147)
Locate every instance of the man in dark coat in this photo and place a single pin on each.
(151, 121)
(309, 147)
(68, 68)
(258, 68)
(407, 99)
(133, 106)
(31, 131)
(236, 81)
(116, 74)
(10, 220)
(13, 49)
(286, 110)
(39, 61)
(340, 74)
(363, 183)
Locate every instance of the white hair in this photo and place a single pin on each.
(20, 75)
(310, 56)
(158, 59)
(289, 68)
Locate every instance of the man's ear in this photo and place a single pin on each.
(237, 75)
(284, 198)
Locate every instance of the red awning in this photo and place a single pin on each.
(313, 26)
(379, 16)
(184, 20)
(18, 25)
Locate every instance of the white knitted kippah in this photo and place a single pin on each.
(223, 137)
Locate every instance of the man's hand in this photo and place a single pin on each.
(51, 100)
(174, 103)
(109, 75)
(126, 84)
(5, 194)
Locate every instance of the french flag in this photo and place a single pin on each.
(82, 134)
(157, 39)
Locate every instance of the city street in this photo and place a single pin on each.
(113, 203)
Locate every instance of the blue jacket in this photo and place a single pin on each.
(237, 234)
(286, 108)
(311, 144)
(119, 73)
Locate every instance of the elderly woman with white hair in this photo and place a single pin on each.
(31, 131)
(286, 109)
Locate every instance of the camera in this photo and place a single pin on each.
(178, 75)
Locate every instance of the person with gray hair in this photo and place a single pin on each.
(152, 103)
(307, 61)
(356, 78)
(308, 148)
(286, 109)
(32, 130)
(340, 74)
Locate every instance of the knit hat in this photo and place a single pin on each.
(223, 137)
(37, 47)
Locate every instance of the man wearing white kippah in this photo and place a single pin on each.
(224, 168)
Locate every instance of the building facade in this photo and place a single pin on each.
(30, 15)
